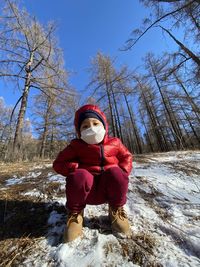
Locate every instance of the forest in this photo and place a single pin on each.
(154, 110)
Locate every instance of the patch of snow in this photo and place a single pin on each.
(56, 178)
(34, 193)
(91, 252)
(170, 183)
(60, 200)
(15, 180)
(42, 166)
(19, 180)
(33, 174)
(47, 165)
(62, 187)
(163, 204)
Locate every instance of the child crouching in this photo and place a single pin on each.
(97, 168)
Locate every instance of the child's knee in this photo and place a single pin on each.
(80, 176)
(115, 171)
(116, 174)
(82, 172)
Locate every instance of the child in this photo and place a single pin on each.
(97, 168)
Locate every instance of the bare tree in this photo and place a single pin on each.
(189, 53)
(28, 50)
(6, 128)
(180, 13)
(53, 120)
(188, 97)
(103, 77)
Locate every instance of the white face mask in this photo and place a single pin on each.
(93, 135)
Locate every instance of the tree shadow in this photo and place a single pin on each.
(56, 230)
(20, 218)
(101, 223)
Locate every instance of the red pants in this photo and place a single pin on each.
(83, 188)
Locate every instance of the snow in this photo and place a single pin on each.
(34, 193)
(33, 174)
(14, 180)
(18, 180)
(56, 178)
(60, 200)
(177, 156)
(91, 252)
(163, 205)
(167, 181)
(179, 194)
(47, 165)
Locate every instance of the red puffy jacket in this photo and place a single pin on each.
(94, 158)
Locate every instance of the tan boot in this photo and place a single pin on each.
(74, 226)
(119, 221)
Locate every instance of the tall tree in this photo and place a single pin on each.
(53, 122)
(183, 14)
(156, 67)
(28, 50)
(103, 77)
(6, 128)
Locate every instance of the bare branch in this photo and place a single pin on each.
(131, 42)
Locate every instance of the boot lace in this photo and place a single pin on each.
(73, 217)
(120, 212)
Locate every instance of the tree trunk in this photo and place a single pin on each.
(176, 125)
(189, 99)
(17, 144)
(191, 126)
(153, 119)
(45, 132)
(117, 114)
(138, 143)
(170, 112)
(111, 110)
(184, 48)
(147, 133)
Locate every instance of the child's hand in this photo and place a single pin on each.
(124, 171)
(72, 166)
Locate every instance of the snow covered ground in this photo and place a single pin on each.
(163, 207)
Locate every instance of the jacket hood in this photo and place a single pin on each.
(93, 108)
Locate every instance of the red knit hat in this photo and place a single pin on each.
(89, 111)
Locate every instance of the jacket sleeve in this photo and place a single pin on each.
(125, 158)
(66, 161)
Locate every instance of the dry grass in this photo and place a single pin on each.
(138, 250)
(23, 218)
(53, 189)
(22, 224)
(14, 251)
(10, 168)
(150, 198)
(185, 167)
(142, 158)
(19, 169)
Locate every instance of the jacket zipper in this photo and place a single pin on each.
(102, 157)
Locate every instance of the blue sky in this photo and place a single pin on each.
(85, 27)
